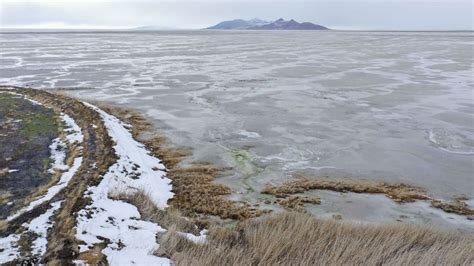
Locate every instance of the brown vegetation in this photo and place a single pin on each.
(300, 239)
(296, 203)
(4, 196)
(397, 192)
(400, 193)
(457, 206)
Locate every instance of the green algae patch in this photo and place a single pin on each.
(243, 158)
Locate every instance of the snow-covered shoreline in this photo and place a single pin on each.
(132, 241)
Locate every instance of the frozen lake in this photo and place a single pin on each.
(389, 106)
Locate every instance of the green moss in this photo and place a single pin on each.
(37, 125)
(34, 123)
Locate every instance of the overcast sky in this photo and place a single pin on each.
(193, 14)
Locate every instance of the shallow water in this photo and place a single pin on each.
(387, 106)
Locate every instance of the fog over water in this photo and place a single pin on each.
(391, 106)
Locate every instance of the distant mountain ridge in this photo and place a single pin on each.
(238, 24)
(258, 24)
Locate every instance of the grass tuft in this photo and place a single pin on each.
(301, 239)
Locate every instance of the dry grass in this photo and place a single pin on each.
(5, 196)
(296, 203)
(397, 192)
(300, 239)
(457, 206)
(3, 225)
(195, 192)
(94, 256)
(400, 193)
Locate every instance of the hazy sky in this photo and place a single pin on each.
(189, 14)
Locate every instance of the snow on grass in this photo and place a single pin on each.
(72, 130)
(8, 248)
(58, 155)
(132, 241)
(201, 239)
(138, 168)
(40, 226)
(58, 148)
(52, 191)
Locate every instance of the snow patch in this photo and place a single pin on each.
(40, 226)
(73, 131)
(58, 155)
(9, 248)
(201, 239)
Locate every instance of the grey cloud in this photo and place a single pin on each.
(356, 14)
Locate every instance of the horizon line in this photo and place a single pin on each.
(19, 29)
